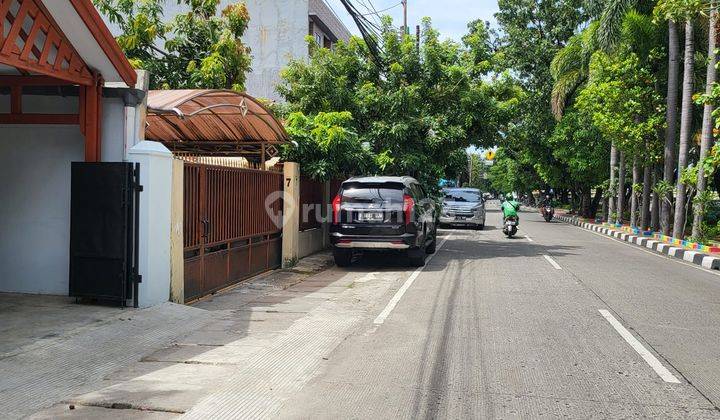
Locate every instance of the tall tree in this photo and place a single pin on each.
(706, 138)
(621, 100)
(532, 32)
(671, 106)
(418, 111)
(685, 129)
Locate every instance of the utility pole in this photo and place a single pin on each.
(405, 25)
(417, 38)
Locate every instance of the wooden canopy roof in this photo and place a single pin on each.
(65, 40)
(55, 43)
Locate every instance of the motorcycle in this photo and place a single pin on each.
(547, 213)
(510, 226)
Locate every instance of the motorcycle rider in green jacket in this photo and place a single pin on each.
(510, 207)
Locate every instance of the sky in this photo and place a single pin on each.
(450, 17)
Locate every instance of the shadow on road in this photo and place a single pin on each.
(469, 249)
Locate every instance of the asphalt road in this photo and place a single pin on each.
(558, 322)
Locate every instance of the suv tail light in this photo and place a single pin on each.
(408, 204)
(336, 209)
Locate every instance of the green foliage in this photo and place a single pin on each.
(623, 103)
(532, 34)
(509, 174)
(197, 49)
(678, 10)
(581, 145)
(689, 176)
(478, 175)
(417, 115)
(329, 137)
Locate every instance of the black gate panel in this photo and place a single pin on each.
(102, 233)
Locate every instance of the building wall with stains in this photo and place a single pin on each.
(276, 34)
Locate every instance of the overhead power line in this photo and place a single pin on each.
(377, 12)
(369, 30)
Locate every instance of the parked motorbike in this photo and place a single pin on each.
(547, 213)
(510, 226)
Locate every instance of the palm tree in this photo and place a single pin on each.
(670, 119)
(685, 128)
(570, 68)
(633, 195)
(707, 123)
(619, 22)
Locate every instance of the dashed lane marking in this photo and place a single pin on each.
(651, 360)
(552, 262)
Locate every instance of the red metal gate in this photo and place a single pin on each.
(229, 234)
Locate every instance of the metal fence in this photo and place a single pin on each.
(232, 231)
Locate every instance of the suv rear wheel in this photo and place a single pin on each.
(343, 257)
(416, 257)
(432, 246)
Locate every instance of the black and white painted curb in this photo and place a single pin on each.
(691, 256)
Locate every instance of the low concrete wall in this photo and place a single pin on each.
(310, 242)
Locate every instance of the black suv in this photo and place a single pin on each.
(383, 213)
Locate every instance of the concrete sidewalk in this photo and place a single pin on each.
(54, 350)
(258, 344)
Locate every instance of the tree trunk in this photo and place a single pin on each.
(645, 211)
(586, 200)
(621, 189)
(685, 130)
(671, 119)
(707, 123)
(655, 211)
(634, 205)
(605, 209)
(595, 203)
(612, 208)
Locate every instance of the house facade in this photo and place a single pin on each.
(68, 98)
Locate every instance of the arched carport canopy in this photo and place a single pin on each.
(213, 123)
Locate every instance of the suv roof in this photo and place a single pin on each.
(381, 179)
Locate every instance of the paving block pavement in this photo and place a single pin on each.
(690, 256)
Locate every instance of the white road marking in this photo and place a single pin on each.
(552, 262)
(651, 360)
(529, 238)
(399, 294)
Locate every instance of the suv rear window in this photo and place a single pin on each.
(385, 194)
(463, 196)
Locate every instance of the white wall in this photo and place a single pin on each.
(156, 177)
(35, 206)
(113, 147)
(35, 163)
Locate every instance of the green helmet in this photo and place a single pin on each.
(508, 196)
